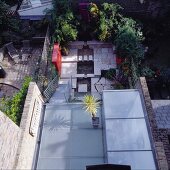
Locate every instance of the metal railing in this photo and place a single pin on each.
(43, 77)
(51, 88)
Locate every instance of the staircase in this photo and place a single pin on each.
(62, 93)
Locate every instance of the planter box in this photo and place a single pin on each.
(95, 122)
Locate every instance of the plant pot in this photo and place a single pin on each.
(95, 122)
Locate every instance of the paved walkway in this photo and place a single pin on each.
(15, 73)
(162, 111)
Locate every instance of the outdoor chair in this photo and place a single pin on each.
(13, 53)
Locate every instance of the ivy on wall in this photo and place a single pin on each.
(13, 107)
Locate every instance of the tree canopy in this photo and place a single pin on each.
(128, 40)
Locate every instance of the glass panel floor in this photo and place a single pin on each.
(68, 141)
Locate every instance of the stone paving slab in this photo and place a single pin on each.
(162, 111)
(15, 73)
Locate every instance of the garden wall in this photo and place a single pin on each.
(9, 140)
(159, 136)
(29, 126)
(18, 144)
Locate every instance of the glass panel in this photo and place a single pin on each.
(68, 139)
(141, 160)
(122, 104)
(127, 134)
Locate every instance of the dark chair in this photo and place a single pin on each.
(13, 53)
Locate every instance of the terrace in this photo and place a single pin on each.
(84, 66)
(70, 142)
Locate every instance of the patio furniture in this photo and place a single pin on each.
(13, 52)
(85, 57)
(90, 57)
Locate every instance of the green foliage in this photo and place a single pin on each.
(94, 10)
(109, 20)
(91, 104)
(7, 22)
(60, 7)
(13, 107)
(64, 23)
(128, 40)
(105, 20)
(147, 72)
(111, 74)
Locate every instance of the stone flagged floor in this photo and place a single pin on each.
(15, 73)
(104, 58)
(162, 111)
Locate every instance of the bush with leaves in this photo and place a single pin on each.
(111, 74)
(104, 20)
(147, 72)
(91, 105)
(128, 40)
(13, 107)
(7, 22)
(109, 21)
(64, 23)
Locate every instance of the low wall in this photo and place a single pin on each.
(18, 144)
(160, 137)
(29, 128)
(9, 140)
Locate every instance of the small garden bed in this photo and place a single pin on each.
(13, 107)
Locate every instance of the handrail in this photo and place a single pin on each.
(51, 88)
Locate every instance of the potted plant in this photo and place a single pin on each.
(91, 105)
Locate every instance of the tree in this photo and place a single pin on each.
(65, 30)
(91, 105)
(128, 40)
(64, 23)
(110, 17)
(7, 22)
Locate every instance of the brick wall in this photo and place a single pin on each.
(9, 139)
(17, 144)
(160, 136)
(26, 149)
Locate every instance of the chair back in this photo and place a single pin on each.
(11, 49)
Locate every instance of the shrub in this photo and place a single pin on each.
(13, 107)
(111, 74)
(128, 40)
